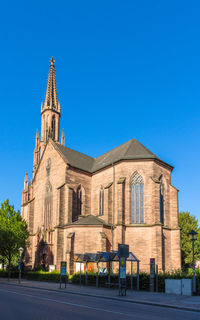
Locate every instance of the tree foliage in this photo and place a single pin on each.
(13, 232)
(188, 222)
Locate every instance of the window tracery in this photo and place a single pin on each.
(137, 199)
(101, 201)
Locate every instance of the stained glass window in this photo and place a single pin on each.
(101, 201)
(141, 203)
(137, 199)
(79, 200)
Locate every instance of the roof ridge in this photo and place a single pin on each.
(89, 219)
(74, 150)
(129, 145)
(148, 150)
(114, 148)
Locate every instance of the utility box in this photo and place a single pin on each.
(179, 286)
(187, 287)
(173, 286)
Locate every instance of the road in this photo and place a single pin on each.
(26, 304)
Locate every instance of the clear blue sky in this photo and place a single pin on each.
(125, 69)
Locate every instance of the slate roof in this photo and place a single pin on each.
(88, 220)
(130, 150)
(76, 159)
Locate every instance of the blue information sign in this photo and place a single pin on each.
(123, 272)
(63, 268)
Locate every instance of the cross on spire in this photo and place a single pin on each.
(52, 61)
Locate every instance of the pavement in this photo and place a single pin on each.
(20, 302)
(188, 303)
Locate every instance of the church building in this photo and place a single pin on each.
(75, 203)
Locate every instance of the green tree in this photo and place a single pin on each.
(188, 222)
(13, 233)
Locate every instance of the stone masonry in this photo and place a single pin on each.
(77, 204)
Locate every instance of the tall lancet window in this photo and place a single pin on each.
(101, 201)
(161, 202)
(47, 127)
(137, 199)
(53, 124)
(48, 207)
(79, 200)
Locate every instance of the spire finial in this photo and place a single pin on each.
(52, 61)
(26, 182)
(63, 138)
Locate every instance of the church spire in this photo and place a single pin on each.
(63, 138)
(51, 100)
(36, 158)
(50, 110)
(26, 182)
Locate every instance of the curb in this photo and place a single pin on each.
(156, 304)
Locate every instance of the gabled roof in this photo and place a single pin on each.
(88, 220)
(131, 150)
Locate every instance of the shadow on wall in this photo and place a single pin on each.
(43, 256)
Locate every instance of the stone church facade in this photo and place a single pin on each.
(76, 204)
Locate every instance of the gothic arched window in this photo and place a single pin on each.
(47, 127)
(101, 201)
(137, 199)
(48, 206)
(161, 202)
(79, 200)
(53, 127)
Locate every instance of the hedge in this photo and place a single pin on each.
(13, 274)
(53, 276)
(144, 279)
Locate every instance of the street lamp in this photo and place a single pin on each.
(20, 262)
(193, 237)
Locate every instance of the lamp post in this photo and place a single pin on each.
(193, 237)
(20, 262)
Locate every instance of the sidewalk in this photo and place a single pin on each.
(190, 303)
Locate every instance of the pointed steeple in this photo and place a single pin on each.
(51, 100)
(50, 110)
(37, 140)
(36, 158)
(63, 138)
(26, 182)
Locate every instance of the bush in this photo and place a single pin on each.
(13, 274)
(44, 276)
(144, 279)
(34, 275)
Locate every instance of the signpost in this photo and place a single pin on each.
(63, 272)
(152, 274)
(123, 252)
(20, 263)
(19, 269)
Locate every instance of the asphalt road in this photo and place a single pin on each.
(27, 304)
